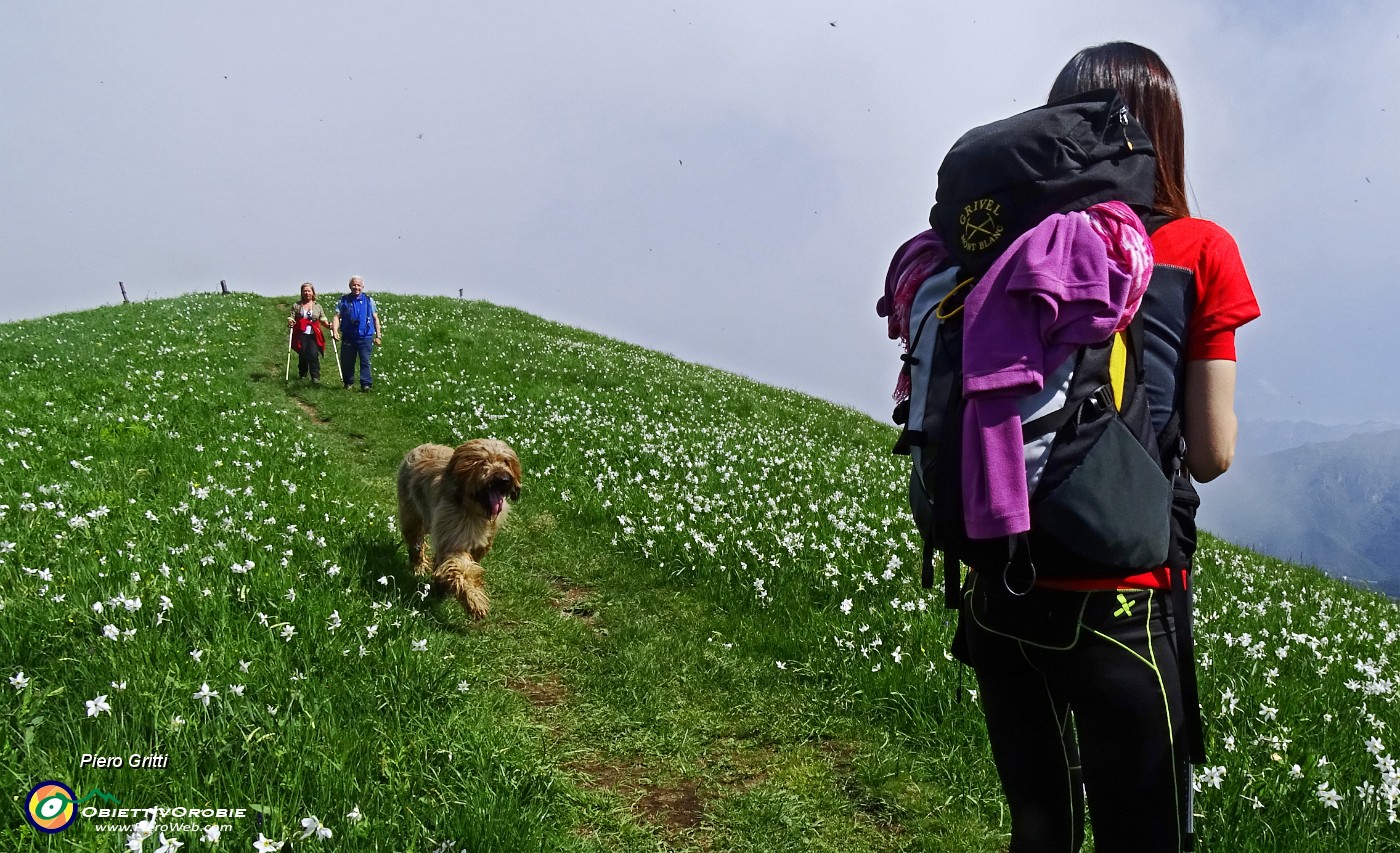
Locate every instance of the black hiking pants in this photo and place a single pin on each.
(1082, 698)
(309, 360)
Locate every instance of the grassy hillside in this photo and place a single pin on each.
(707, 631)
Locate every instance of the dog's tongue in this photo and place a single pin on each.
(497, 501)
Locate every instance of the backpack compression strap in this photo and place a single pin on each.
(1110, 361)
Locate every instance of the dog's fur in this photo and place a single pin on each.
(460, 498)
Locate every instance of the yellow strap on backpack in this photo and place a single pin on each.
(1118, 366)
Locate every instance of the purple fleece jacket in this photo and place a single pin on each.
(1053, 290)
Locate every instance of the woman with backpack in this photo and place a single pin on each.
(308, 337)
(1079, 678)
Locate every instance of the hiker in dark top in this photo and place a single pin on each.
(1097, 714)
(308, 336)
(357, 324)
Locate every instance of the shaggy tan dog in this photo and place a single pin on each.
(458, 496)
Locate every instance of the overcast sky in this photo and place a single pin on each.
(723, 180)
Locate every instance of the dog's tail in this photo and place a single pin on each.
(460, 577)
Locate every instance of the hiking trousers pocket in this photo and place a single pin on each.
(1115, 508)
(1048, 618)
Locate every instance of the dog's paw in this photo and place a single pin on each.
(475, 602)
(460, 577)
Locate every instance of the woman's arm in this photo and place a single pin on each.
(1210, 425)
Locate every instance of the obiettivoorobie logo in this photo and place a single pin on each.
(52, 806)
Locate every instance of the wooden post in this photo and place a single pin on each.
(459, 293)
(123, 287)
(223, 287)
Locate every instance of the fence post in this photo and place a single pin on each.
(124, 299)
(223, 287)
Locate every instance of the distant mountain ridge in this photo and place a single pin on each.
(1332, 504)
(1260, 438)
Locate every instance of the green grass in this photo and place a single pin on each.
(707, 632)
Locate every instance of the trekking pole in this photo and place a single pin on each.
(287, 372)
(338, 368)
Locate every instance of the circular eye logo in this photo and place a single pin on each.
(981, 225)
(51, 807)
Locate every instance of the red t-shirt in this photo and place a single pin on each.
(1224, 302)
(1224, 298)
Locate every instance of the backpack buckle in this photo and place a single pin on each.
(1099, 403)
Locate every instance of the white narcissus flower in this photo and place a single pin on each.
(98, 705)
(139, 833)
(169, 845)
(211, 834)
(355, 816)
(1212, 776)
(420, 645)
(19, 681)
(267, 845)
(204, 694)
(313, 826)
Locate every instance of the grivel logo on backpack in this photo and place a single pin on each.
(981, 227)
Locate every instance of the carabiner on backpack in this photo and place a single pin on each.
(1014, 544)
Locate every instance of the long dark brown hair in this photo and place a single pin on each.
(1148, 89)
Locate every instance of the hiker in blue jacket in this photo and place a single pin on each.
(359, 317)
